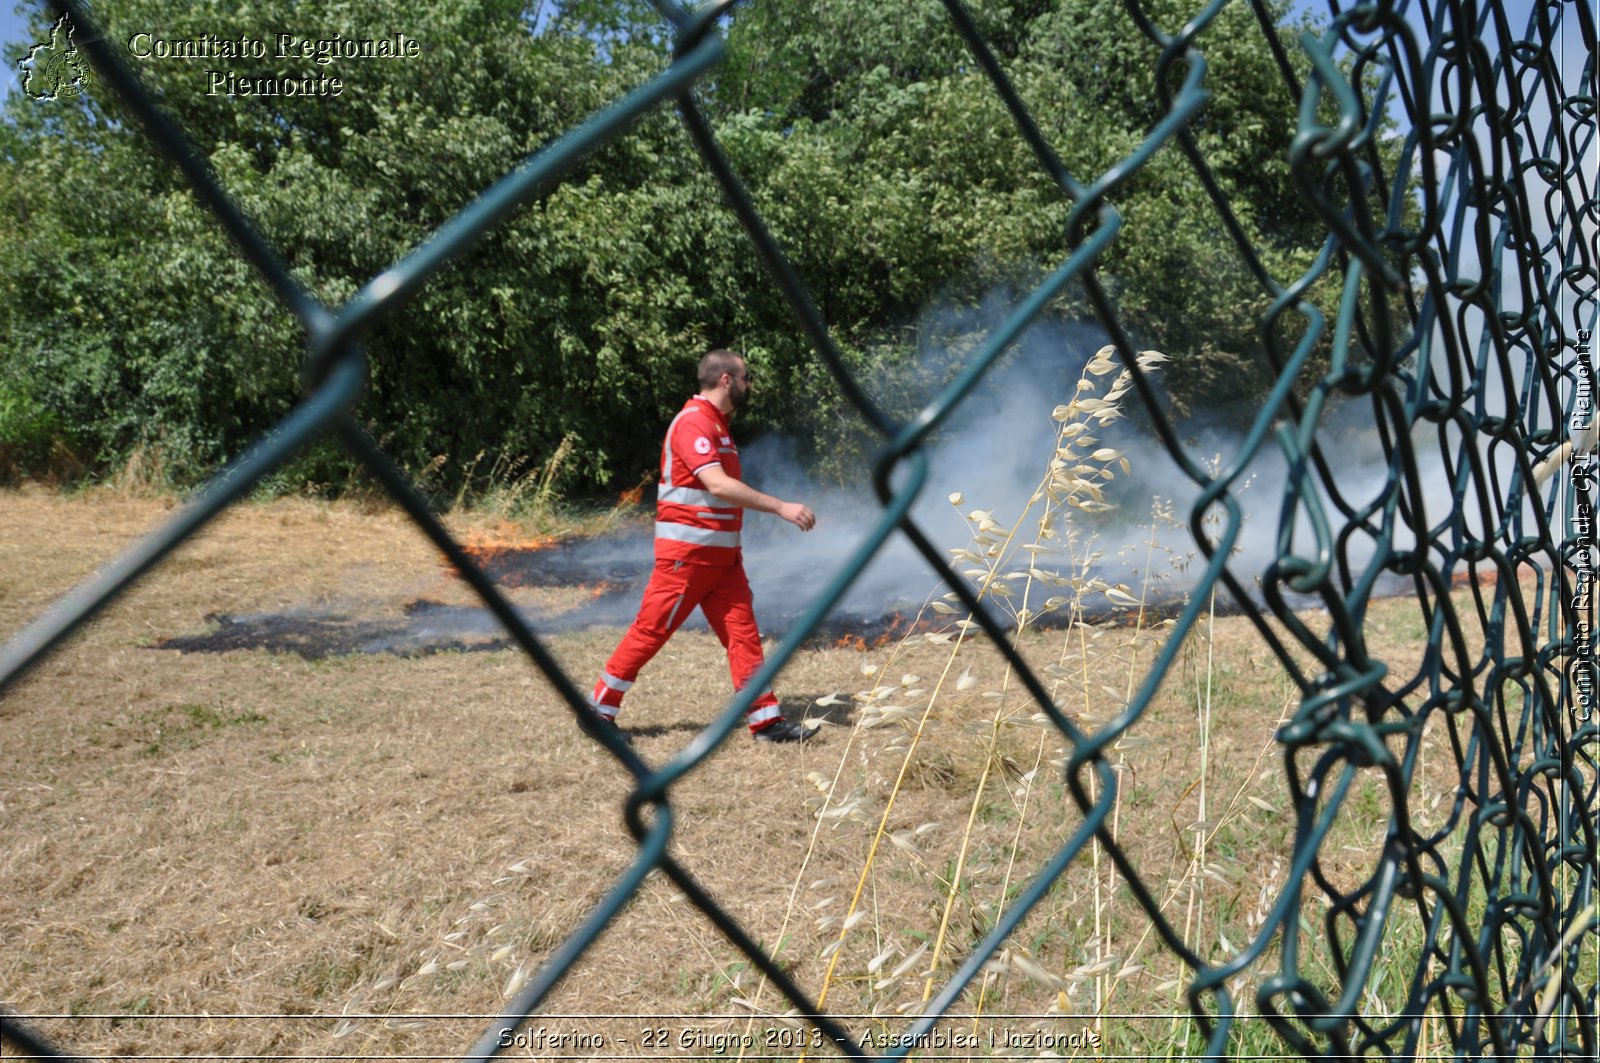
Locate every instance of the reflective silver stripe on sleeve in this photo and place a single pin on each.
(688, 496)
(683, 533)
(666, 447)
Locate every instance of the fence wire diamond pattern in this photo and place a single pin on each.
(1493, 265)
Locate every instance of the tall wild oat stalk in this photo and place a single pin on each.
(896, 721)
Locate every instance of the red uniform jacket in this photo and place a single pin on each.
(692, 524)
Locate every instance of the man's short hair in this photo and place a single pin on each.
(715, 363)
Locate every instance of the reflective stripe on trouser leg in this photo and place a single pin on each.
(671, 595)
(730, 610)
(758, 717)
(607, 696)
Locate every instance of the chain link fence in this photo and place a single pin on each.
(1467, 299)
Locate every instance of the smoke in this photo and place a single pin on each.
(993, 453)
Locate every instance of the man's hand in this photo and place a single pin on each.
(738, 493)
(798, 515)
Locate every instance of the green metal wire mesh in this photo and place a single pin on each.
(1485, 242)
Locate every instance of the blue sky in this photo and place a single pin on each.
(13, 29)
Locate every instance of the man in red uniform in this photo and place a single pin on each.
(700, 507)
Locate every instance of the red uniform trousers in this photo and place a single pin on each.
(676, 587)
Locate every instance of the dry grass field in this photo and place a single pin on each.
(252, 854)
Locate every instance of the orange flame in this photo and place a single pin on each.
(483, 547)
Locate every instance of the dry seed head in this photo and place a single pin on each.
(1098, 967)
(901, 839)
(514, 983)
(1034, 971)
(909, 962)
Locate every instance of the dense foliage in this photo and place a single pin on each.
(882, 159)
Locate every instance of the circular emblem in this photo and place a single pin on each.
(702, 445)
(66, 74)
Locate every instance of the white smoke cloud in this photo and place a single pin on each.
(994, 451)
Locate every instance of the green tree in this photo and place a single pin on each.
(140, 325)
(875, 131)
(879, 155)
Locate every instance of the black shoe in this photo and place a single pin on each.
(782, 730)
(606, 722)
